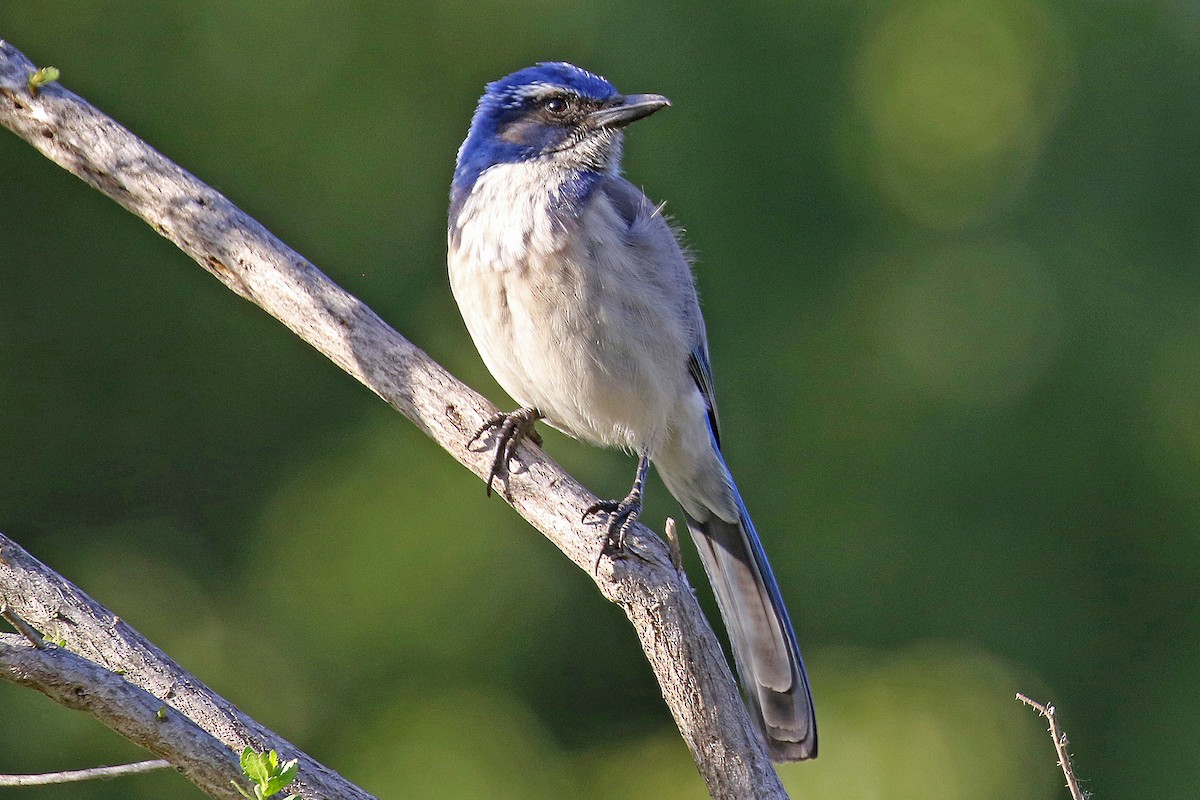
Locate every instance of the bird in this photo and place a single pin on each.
(581, 300)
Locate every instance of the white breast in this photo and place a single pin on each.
(568, 316)
(506, 216)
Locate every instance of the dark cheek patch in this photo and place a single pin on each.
(518, 132)
(529, 133)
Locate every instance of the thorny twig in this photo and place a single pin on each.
(1060, 745)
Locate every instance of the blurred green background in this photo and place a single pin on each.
(948, 257)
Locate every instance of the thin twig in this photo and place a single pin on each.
(1060, 745)
(673, 543)
(90, 774)
(22, 627)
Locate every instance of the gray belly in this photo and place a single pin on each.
(600, 368)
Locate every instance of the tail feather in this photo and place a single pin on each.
(768, 659)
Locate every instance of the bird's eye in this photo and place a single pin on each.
(555, 105)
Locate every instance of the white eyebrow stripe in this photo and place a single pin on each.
(535, 91)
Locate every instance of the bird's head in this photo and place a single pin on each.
(555, 113)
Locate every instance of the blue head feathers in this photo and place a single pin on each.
(552, 111)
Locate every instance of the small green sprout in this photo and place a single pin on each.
(268, 775)
(42, 77)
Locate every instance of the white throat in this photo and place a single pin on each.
(508, 215)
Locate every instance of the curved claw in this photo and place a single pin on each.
(513, 427)
(622, 514)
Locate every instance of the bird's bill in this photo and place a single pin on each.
(631, 109)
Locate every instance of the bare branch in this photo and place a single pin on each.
(113, 673)
(137, 715)
(90, 774)
(679, 644)
(1060, 745)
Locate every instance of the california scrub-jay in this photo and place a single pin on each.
(582, 303)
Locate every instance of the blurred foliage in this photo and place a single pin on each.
(963, 404)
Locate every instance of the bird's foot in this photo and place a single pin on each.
(511, 428)
(621, 515)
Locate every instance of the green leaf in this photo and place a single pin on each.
(281, 777)
(268, 774)
(42, 77)
(281, 780)
(255, 766)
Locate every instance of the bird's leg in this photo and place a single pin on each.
(511, 427)
(621, 513)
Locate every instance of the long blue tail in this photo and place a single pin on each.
(768, 660)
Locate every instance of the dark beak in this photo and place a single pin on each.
(630, 109)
